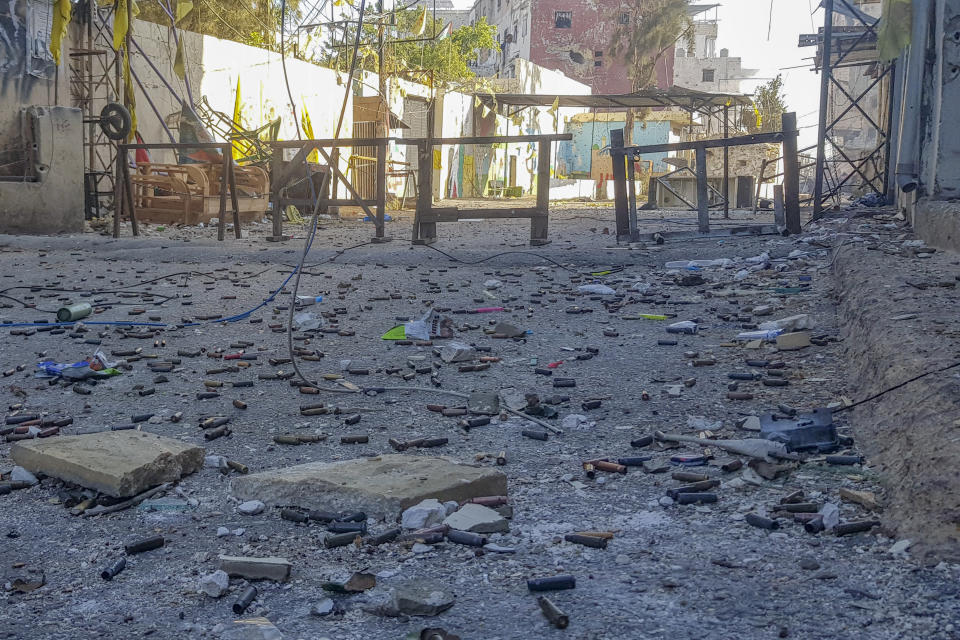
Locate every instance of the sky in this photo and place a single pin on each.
(743, 28)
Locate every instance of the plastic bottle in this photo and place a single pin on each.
(306, 301)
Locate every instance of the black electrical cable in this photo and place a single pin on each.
(897, 386)
(316, 210)
(502, 253)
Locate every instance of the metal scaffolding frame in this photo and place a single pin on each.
(95, 80)
(844, 48)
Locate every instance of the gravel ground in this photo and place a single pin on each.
(670, 571)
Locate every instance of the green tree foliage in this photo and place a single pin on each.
(252, 22)
(650, 33)
(410, 53)
(769, 103)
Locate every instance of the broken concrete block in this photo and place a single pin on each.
(382, 486)
(508, 330)
(793, 341)
(250, 629)
(214, 584)
(484, 403)
(750, 423)
(420, 598)
(256, 568)
(865, 499)
(19, 474)
(477, 519)
(792, 323)
(457, 352)
(422, 515)
(118, 463)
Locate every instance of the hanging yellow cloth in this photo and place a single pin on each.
(61, 18)
(130, 95)
(238, 147)
(896, 22)
(120, 24)
(183, 8)
(179, 63)
(314, 156)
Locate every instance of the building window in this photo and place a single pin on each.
(624, 17)
(562, 19)
(514, 31)
(708, 75)
(598, 63)
(498, 5)
(598, 54)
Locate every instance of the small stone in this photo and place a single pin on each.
(215, 584)
(19, 474)
(750, 423)
(900, 547)
(421, 598)
(809, 564)
(673, 390)
(496, 548)
(323, 608)
(666, 501)
(251, 507)
(425, 514)
(477, 519)
(215, 462)
(222, 532)
(451, 506)
(419, 548)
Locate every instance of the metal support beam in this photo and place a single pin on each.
(791, 173)
(726, 163)
(825, 72)
(621, 207)
(703, 202)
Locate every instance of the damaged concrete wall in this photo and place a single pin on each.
(935, 162)
(41, 148)
(580, 51)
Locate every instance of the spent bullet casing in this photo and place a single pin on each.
(553, 583)
(382, 538)
(587, 541)
(555, 616)
(147, 544)
(245, 600)
(115, 568)
(347, 527)
(339, 540)
(534, 435)
(854, 527)
(293, 515)
(756, 520)
(694, 498)
(466, 538)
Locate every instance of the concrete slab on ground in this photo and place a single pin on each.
(118, 463)
(382, 486)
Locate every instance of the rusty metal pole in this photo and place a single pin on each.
(791, 173)
(621, 207)
(826, 71)
(703, 200)
(726, 163)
